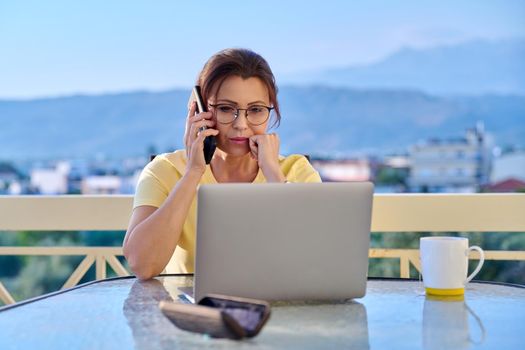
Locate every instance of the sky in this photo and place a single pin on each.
(57, 47)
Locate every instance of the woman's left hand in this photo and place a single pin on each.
(265, 149)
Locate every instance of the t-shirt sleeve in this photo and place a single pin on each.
(155, 183)
(302, 171)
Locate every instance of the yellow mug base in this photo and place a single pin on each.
(445, 292)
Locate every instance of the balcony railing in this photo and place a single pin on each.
(391, 213)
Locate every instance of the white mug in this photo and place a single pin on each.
(444, 264)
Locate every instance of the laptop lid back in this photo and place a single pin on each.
(283, 241)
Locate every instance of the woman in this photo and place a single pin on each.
(239, 89)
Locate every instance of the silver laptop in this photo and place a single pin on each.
(283, 241)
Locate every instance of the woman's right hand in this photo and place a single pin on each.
(194, 139)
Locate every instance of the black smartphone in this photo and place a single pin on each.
(219, 316)
(248, 315)
(199, 319)
(210, 144)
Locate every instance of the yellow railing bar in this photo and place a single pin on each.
(449, 213)
(79, 272)
(63, 250)
(65, 213)
(391, 212)
(5, 296)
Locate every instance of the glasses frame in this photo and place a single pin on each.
(237, 113)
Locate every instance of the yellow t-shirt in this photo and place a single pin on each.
(160, 176)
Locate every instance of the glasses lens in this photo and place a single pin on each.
(225, 113)
(258, 114)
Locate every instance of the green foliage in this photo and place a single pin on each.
(48, 238)
(391, 176)
(102, 238)
(10, 266)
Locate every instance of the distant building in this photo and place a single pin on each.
(105, 184)
(8, 175)
(452, 165)
(49, 181)
(397, 161)
(15, 188)
(509, 166)
(344, 170)
(508, 185)
(129, 183)
(53, 180)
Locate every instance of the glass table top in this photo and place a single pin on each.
(123, 313)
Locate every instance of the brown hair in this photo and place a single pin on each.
(238, 62)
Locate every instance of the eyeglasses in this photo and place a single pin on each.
(255, 115)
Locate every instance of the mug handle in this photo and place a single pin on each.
(480, 264)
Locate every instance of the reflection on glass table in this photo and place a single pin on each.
(453, 317)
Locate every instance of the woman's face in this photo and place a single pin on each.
(240, 93)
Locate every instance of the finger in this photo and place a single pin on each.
(254, 140)
(205, 133)
(192, 109)
(201, 123)
(275, 141)
(200, 116)
(188, 131)
(191, 99)
(198, 127)
(253, 145)
(254, 150)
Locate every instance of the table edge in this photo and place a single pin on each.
(62, 291)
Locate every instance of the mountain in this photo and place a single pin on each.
(316, 120)
(471, 68)
(113, 124)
